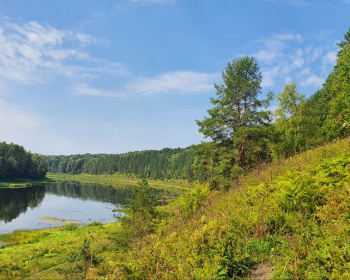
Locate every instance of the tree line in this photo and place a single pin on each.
(164, 164)
(16, 163)
(245, 134)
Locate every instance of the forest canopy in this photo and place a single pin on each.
(164, 164)
(17, 163)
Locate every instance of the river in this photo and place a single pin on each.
(57, 204)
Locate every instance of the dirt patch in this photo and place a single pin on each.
(262, 272)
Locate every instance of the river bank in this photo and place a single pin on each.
(118, 180)
(24, 183)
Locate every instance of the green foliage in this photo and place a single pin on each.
(80, 262)
(346, 42)
(163, 164)
(288, 101)
(16, 163)
(213, 164)
(339, 105)
(293, 129)
(195, 199)
(141, 212)
(236, 104)
(57, 253)
(292, 216)
(237, 124)
(236, 107)
(288, 221)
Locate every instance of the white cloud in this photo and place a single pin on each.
(269, 76)
(178, 82)
(313, 80)
(297, 59)
(316, 53)
(293, 57)
(276, 61)
(85, 89)
(298, 62)
(330, 58)
(275, 45)
(185, 82)
(31, 53)
(266, 55)
(34, 54)
(305, 72)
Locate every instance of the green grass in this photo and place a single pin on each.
(49, 253)
(23, 183)
(292, 216)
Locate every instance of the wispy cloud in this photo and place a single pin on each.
(330, 58)
(32, 53)
(86, 89)
(273, 47)
(293, 57)
(313, 80)
(269, 76)
(183, 82)
(178, 82)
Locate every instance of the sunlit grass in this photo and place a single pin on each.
(38, 253)
(23, 183)
(293, 216)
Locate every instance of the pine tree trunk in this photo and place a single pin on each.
(241, 150)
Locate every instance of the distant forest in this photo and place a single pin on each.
(164, 164)
(16, 163)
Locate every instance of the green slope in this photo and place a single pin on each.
(291, 219)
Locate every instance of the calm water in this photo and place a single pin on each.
(58, 204)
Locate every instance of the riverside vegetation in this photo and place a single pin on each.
(293, 216)
(271, 194)
(19, 168)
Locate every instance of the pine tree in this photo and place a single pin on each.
(237, 110)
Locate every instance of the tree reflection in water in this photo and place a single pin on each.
(13, 202)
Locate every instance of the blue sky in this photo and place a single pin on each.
(109, 76)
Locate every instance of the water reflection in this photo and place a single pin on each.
(58, 203)
(13, 202)
(91, 192)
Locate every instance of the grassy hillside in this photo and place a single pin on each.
(290, 219)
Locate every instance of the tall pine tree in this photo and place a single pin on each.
(237, 111)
